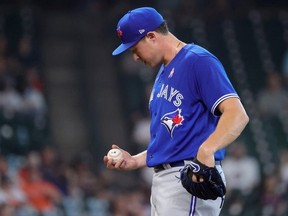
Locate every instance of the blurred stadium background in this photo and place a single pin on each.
(64, 100)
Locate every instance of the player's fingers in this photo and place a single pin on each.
(105, 160)
(109, 163)
(123, 164)
(196, 178)
(120, 164)
(115, 146)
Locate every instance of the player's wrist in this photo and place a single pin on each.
(206, 156)
(207, 150)
(140, 160)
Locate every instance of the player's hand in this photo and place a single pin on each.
(127, 162)
(206, 157)
(211, 186)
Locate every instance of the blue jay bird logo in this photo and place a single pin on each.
(172, 120)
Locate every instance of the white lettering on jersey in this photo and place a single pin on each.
(170, 94)
(178, 100)
(164, 92)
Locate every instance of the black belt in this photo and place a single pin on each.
(161, 167)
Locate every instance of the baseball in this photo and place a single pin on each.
(115, 155)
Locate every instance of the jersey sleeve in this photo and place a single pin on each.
(213, 84)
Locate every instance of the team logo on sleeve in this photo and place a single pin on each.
(172, 120)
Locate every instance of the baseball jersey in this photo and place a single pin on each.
(183, 105)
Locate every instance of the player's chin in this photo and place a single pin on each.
(155, 64)
(147, 63)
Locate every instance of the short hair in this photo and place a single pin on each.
(163, 28)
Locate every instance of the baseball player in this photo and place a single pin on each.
(195, 113)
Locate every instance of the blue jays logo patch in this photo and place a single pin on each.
(172, 120)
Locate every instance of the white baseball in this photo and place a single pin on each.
(115, 155)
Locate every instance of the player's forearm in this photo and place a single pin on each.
(231, 124)
(229, 128)
(140, 159)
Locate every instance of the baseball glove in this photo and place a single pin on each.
(212, 185)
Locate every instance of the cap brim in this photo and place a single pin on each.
(123, 47)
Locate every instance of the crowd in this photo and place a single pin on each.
(21, 88)
(23, 107)
(39, 183)
(249, 190)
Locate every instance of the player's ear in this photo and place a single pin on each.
(151, 35)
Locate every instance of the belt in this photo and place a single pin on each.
(161, 167)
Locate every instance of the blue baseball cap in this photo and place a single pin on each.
(134, 25)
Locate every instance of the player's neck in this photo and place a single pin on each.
(173, 47)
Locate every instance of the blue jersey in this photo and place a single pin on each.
(183, 105)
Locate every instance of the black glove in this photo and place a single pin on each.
(212, 185)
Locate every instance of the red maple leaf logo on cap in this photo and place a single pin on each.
(119, 32)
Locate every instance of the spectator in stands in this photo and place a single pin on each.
(273, 201)
(53, 169)
(20, 84)
(10, 193)
(33, 161)
(242, 170)
(32, 99)
(82, 176)
(243, 179)
(22, 93)
(7, 171)
(12, 196)
(129, 203)
(119, 205)
(41, 194)
(10, 100)
(137, 207)
(274, 98)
